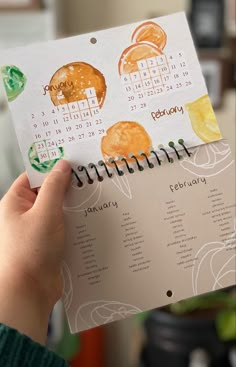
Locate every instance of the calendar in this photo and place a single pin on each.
(108, 95)
(156, 76)
(151, 204)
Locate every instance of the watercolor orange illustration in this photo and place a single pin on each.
(148, 40)
(203, 119)
(123, 138)
(150, 32)
(133, 54)
(69, 83)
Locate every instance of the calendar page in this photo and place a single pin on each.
(148, 239)
(109, 94)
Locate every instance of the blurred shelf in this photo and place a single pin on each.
(223, 52)
(22, 28)
(22, 5)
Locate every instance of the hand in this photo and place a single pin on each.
(31, 251)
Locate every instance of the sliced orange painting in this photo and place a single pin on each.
(69, 83)
(123, 138)
(150, 32)
(133, 54)
(149, 40)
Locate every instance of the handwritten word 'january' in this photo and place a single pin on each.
(57, 87)
(99, 208)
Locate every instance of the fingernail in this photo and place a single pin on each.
(62, 166)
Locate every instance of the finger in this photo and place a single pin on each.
(21, 189)
(51, 195)
(20, 182)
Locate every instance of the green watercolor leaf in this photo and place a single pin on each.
(14, 81)
(43, 167)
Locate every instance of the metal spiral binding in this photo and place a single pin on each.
(170, 160)
(83, 168)
(150, 165)
(157, 158)
(172, 145)
(103, 164)
(140, 167)
(181, 142)
(120, 173)
(130, 170)
(79, 182)
(92, 165)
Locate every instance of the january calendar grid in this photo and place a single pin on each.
(66, 124)
(86, 92)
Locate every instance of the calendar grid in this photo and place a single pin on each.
(158, 75)
(67, 124)
(46, 152)
(80, 120)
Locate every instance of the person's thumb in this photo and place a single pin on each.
(51, 195)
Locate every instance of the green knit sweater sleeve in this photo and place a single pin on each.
(17, 350)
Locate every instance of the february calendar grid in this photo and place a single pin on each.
(156, 76)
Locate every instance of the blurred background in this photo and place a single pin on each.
(196, 333)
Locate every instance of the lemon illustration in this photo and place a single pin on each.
(203, 119)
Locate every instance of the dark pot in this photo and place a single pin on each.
(171, 340)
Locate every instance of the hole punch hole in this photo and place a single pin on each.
(93, 166)
(119, 172)
(169, 294)
(130, 169)
(80, 184)
(181, 142)
(150, 165)
(93, 40)
(83, 168)
(133, 156)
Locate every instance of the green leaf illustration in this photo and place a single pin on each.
(14, 81)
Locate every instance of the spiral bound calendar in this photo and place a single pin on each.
(151, 205)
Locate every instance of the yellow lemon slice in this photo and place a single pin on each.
(203, 119)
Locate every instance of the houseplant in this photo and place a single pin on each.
(206, 322)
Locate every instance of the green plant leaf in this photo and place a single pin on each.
(226, 325)
(205, 301)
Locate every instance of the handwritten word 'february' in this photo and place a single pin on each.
(161, 113)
